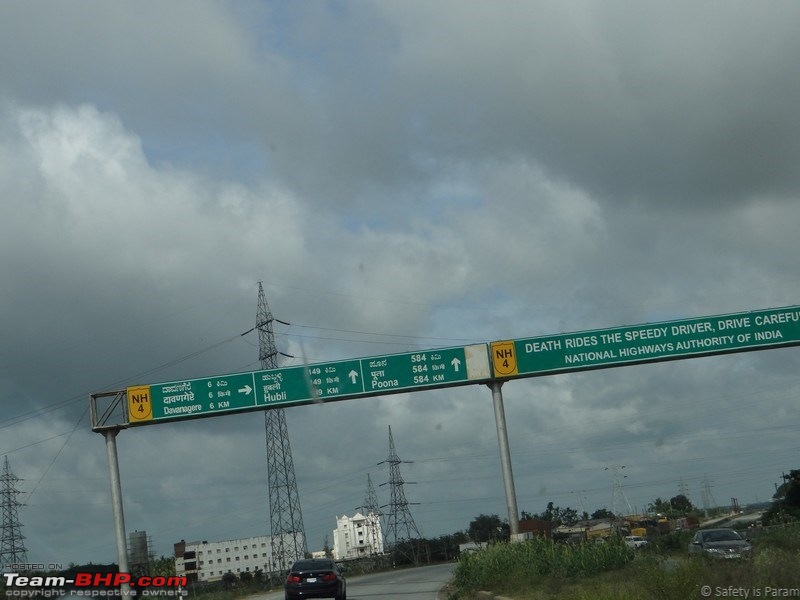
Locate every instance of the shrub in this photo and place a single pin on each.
(673, 542)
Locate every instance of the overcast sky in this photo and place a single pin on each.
(399, 175)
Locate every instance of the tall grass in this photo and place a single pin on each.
(532, 561)
(540, 570)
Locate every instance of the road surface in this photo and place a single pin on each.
(422, 583)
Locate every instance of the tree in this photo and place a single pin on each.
(681, 504)
(659, 506)
(789, 491)
(602, 513)
(556, 515)
(258, 578)
(488, 528)
(445, 547)
(164, 566)
(568, 516)
(229, 579)
(787, 499)
(326, 547)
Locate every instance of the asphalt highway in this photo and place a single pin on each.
(421, 583)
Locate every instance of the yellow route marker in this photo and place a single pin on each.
(140, 406)
(504, 359)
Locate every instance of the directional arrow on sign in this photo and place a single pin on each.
(456, 363)
(353, 375)
(245, 390)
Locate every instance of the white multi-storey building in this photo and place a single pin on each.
(357, 536)
(209, 561)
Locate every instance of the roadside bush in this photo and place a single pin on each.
(675, 542)
(782, 537)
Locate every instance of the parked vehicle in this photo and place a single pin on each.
(315, 578)
(635, 541)
(719, 543)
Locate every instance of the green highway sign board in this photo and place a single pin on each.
(651, 342)
(338, 380)
(446, 367)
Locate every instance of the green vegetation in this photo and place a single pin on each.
(230, 587)
(518, 566)
(672, 543)
(787, 505)
(488, 528)
(542, 570)
(677, 506)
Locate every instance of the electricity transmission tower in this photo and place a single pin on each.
(371, 499)
(683, 488)
(373, 513)
(618, 497)
(288, 538)
(708, 499)
(400, 526)
(12, 549)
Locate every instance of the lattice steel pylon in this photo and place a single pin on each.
(400, 526)
(12, 547)
(708, 499)
(287, 534)
(372, 510)
(371, 499)
(618, 497)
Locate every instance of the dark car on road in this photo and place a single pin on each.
(315, 578)
(719, 543)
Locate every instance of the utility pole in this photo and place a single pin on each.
(12, 548)
(287, 534)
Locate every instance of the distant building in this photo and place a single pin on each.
(209, 561)
(588, 530)
(357, 536)
(533, 528)
(468, 547)
(139, 553)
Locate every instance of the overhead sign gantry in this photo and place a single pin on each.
(490, 364)
(454, 366)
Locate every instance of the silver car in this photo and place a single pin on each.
(720, 543)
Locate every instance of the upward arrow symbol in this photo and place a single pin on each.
(456, 363)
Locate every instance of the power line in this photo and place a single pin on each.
(16, 419)
(60, 450)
